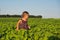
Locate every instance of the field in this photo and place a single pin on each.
(41, 29)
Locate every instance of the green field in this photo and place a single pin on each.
(41, 29)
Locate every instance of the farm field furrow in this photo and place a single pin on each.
(41, 29)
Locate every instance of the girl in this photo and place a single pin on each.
(22, 24)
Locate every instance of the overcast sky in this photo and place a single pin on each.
(46, 8)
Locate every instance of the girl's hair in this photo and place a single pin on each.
(25, 12)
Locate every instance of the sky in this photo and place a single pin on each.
(46, 8)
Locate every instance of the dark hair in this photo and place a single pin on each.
(24, 13)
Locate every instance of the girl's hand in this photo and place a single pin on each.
(29, 27)
(17, 29)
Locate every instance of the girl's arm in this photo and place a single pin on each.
(18, 24)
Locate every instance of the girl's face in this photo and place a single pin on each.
(26, 15)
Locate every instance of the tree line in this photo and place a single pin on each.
(31, 16)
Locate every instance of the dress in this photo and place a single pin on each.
(23, 25)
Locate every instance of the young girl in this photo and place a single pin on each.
(22, 23)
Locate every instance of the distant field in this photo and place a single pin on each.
(41, 29)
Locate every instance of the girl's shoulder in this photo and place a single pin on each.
(20, 21)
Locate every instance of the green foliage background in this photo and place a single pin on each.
(41, 29)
